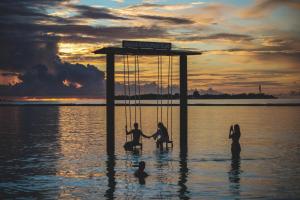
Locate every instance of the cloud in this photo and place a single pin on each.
(29, 11)
(101, 32)
(20, 51)
(118, 1)
(262, 8)
(29, 56)
(63, 79)
(95, 13)
(34, 33)
(171, 7)
(221, 36)
(171, 20)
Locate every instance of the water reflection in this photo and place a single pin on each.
(59, 153)
(234, 177)
(183, 177)
(110, 167)
(29, 150)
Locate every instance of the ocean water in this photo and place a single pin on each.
(59, 152)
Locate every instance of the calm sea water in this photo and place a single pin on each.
(58, 152)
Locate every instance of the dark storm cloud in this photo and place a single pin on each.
(29, 52)
(29, 11)
(39, 81)
(95, 13)
(225, 36)
(20, 52)
(171, 20)
(101, 32)
(29, 39)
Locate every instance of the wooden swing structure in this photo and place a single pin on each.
(136, 49)
(136, 114)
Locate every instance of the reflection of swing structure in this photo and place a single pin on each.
(145, 49)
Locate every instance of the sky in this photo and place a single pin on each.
(47, 46)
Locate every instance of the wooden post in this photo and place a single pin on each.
(110, 103)
(183, 103)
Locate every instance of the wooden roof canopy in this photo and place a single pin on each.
(146, 49)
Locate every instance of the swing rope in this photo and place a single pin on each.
(157, 97)
(125, 91)
(161, 91)
(168, 92)
(139, 95)
(139, 90)
(171, 91)
(135, 63)
(170, 96)
(129, 94)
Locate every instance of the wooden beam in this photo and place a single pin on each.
(183, 104)
(144, 52)
(110, 103)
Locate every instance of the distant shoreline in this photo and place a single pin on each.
(197, 96)
(144, 105)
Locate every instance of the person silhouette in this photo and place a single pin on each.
(161, 135)
(140, 173)
(234, 135)
(136, 133)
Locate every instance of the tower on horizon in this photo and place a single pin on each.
(259, 88)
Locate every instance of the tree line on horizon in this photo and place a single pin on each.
(197, 95)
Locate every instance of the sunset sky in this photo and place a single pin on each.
(244, 42)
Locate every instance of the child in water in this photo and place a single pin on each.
(140, 173)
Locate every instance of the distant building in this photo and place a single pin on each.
(196, 93)
(259, 89)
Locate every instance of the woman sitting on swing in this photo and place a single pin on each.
(136, 133)
(161, 135)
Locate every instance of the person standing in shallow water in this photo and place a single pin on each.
(234, 135)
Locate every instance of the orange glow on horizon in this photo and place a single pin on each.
(72, 84)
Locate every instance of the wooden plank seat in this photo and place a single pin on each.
(139, 145)
(169, 142)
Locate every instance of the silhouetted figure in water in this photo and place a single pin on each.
(161, 135)
(234, 135)
(140, 173)
(136, 133)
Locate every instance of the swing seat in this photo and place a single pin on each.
(169, 142)
(129, 146)
(140, 145)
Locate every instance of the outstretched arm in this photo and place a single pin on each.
(146, 136)
(127, 132)
(155, 134)
(230, 132)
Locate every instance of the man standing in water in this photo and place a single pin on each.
(234, 135)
